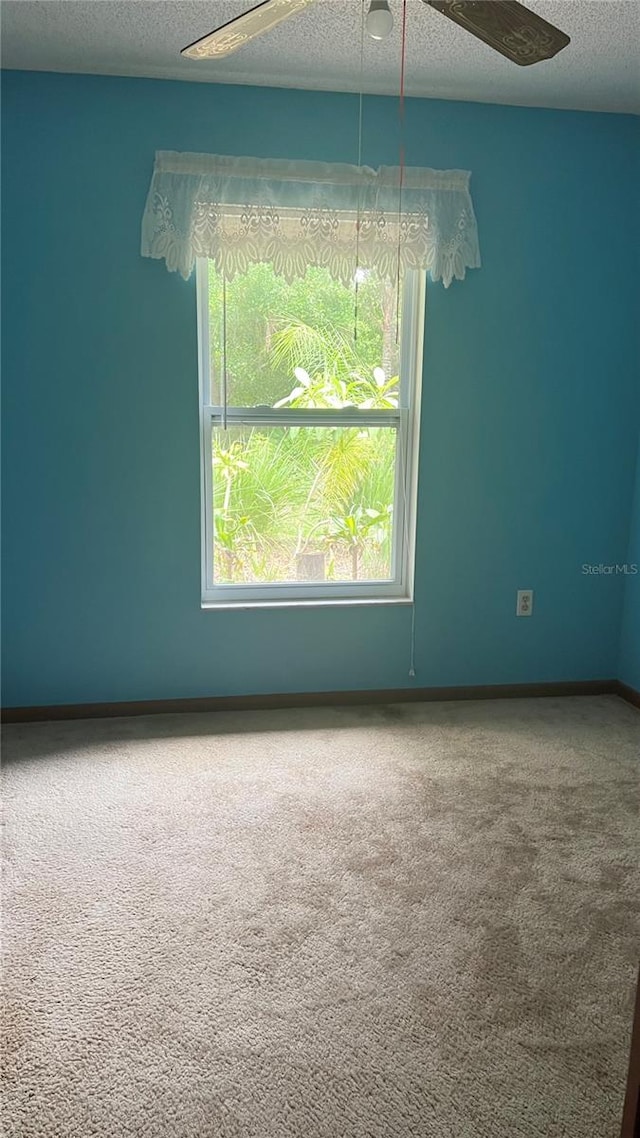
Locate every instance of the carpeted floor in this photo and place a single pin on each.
(414, 921)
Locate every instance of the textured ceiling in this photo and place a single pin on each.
(320, 48)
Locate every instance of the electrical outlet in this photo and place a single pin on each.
(524, 602)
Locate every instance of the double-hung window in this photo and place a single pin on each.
(311, 298)
(311, 295)
(309, 402)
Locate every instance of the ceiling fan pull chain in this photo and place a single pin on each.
(359, 199)
(224, 349)
(403, 53)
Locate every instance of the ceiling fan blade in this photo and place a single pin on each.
(509, 27)
(237, 32)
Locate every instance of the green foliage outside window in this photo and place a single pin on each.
(283, 494)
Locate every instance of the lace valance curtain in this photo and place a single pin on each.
(238, 211)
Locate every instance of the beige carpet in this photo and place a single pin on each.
(362, 923)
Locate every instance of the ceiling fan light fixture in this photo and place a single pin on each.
(379, 21)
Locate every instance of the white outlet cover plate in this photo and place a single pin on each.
(524, 602)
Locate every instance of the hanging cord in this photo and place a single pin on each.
(404, 456)
(224, 352)
(403, 54)
(358, 218)
(412, 649)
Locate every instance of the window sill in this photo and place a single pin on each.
(313, 602)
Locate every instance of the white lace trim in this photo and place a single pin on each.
(239, 211)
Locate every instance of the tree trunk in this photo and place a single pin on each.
(389, 313)
(229, 557)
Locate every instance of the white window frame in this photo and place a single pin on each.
(405, 419)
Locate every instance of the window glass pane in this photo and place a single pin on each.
(303, 504)
(293, 344)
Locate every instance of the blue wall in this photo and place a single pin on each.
(530, 407)
(629, 669)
